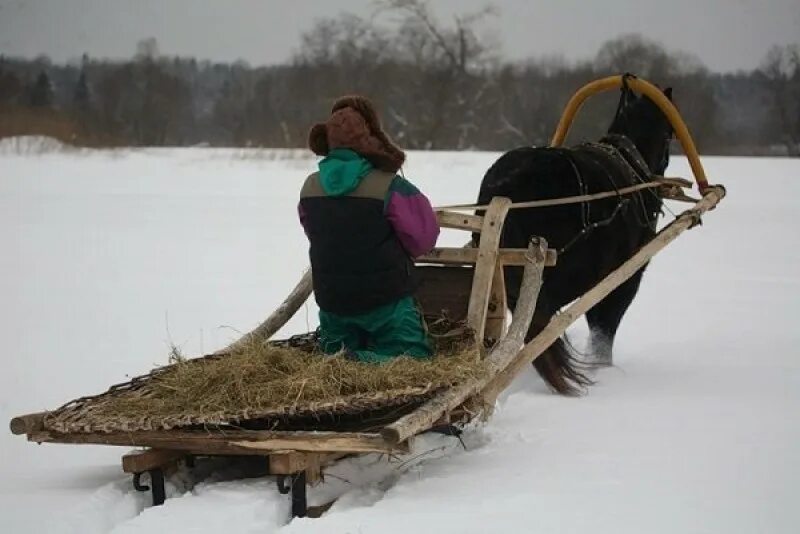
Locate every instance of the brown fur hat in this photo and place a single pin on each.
(354, 124)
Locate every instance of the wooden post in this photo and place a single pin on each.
(291, 462)
(426, 415)
(496, 314)
(485, 264)
(279, 317)
(141, 461)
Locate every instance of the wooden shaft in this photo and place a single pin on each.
(529, 295)
(279, 317)
(561, 322)
(653, 93)
(426, 415)
(25, 424)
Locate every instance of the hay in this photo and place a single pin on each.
(260, 377)
(272, 380)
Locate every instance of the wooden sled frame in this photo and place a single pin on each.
(298, 457)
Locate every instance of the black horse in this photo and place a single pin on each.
(593, 238)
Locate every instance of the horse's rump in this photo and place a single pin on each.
(526, 174)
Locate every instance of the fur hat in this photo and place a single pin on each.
(354, 124)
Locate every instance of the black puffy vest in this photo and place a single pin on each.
(356, 259)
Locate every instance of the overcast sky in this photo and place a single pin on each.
(725, 34)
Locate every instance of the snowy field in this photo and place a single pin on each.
(110, 256)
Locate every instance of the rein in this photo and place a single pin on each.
(565, 200)
(622, 153)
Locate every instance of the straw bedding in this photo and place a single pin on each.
(271, 386)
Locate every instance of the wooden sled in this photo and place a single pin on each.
(465, 283)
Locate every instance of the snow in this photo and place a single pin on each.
(112, 255)
(32, 144)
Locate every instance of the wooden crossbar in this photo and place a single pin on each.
(468, 256)
(459, 221)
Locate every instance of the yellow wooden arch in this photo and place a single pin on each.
(651, 91)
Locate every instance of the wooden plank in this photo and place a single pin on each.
(241, 442)
(563, 320)
(25, 424)
(459, 221)
(291, 462)
(279, 317)
(141, 461)
(469, 256)
(332, 443)
(444, 291)
(450, 255)
(485, 264)
(426, 415)
(496, 314)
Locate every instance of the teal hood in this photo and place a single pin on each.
(341, 171)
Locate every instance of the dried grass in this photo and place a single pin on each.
(262, 377)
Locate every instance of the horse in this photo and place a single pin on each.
(592, 238)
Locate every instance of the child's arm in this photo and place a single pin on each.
(412, 217)
(301, 213)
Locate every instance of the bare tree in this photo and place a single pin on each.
(459, 47)
(447, 96)
(780, 70)
(634, 53)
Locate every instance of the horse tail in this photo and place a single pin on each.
(562, 370)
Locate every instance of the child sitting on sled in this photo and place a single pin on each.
(364, 224)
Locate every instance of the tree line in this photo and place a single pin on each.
(439, 86)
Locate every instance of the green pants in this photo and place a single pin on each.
(378, 335)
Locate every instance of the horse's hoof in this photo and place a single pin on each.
(600, 359)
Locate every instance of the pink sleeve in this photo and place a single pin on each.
(412, 217)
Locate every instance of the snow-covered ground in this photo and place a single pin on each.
(110, 256)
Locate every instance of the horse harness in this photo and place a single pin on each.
(627, 159)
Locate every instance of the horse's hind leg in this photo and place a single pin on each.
(605, 316)
(556, 364)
